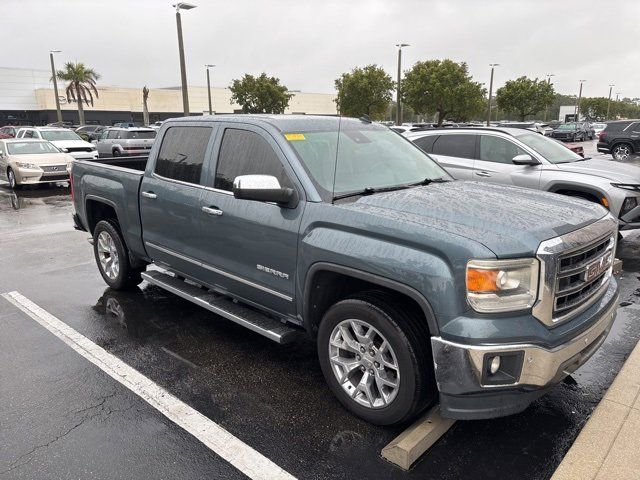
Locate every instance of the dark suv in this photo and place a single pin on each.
(620, 138)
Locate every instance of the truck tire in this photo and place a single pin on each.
(376, 358)
(112, 256)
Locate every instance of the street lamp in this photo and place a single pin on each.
(398, 101)
(492, 65)
(611, 85)
(183, 70)
(577, 111)
(546, 110)
(209, 87)
(55, 84)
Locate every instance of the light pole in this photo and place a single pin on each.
(209, 88)
(611, 85)
(183, 69)
(577, 112)
(618, 95)
(546, 110)
(398, 101)
(55, 84)
(492, 65)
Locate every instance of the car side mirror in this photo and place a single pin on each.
(525, 159)
(262, 188)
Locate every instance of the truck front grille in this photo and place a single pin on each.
(582, 274)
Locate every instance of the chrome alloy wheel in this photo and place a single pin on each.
(108, 255)
(364, 363)
(621, 152)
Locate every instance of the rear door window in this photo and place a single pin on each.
(182, 153)
(461, 146)
(426, 143)
(247, 153)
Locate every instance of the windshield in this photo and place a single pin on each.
(30, 148)
(53, 135)
(139, 134)
(568, 126)
(551, 150)
(367, 156)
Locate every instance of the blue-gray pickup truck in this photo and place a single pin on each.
(417, 288)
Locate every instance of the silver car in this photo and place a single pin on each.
(513, 156)
(118, 141)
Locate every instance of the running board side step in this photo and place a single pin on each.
(225, 307)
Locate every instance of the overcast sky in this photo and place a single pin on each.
(309, 43)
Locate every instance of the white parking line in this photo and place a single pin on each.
(250, 462)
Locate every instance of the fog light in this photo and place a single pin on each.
(495, 365)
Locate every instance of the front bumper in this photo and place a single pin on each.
(31, 176)
(467, 390)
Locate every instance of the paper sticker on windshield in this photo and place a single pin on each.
(293, 137)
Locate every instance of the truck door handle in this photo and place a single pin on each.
(482, 173)
(212, 211)
(150, 195)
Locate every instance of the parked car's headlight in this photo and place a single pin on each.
(502, 285)
(28, 165)
(64, 150)
(93, 148)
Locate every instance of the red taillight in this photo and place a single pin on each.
(601, 136)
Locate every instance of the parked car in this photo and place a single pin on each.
(344, 230)
(8, 131)
(574, 147)
(620, 138)
(125, 125)
(29, 161)
(64, 139)
(598, 127)
(590, 131)
(117, 142)
(517, 157)
(570, 132)
(90, 132)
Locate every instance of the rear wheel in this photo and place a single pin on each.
(376, 358)
(112, 256)
(621, 151)
(116, 153)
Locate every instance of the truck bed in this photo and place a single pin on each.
(134, 163)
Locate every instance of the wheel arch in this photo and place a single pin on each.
(583, 191)
(621, 141)
(98, 208)
(326, 283)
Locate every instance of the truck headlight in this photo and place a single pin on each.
(32, 166)
(502, 285)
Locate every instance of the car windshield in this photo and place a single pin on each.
(363, 156)
(567, 126)
(551, 150)
(30, 148)
(53, 135)
(139, 134)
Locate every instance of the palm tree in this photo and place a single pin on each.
(81, 85)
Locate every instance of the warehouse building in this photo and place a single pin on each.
(27, 98)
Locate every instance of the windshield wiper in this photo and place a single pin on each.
(371, 190)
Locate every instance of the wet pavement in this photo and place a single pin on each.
(62, 417)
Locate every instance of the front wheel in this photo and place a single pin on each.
(13, 183)
(112, 256)
(376, 358)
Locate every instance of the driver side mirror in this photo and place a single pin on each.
(525, 159)
(262, 188)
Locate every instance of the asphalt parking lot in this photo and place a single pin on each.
(62, 417)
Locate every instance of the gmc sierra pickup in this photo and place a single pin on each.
(416, 287)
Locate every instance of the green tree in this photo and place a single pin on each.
(443, 87)
(261, 94)
(81, 85)
(365, 90)
(594, 108)
(525, 96)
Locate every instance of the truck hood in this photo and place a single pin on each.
(510, 221)
(614, 171)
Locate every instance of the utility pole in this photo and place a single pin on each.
(579, 99)
(492, 65)
(398, 101)
(611, 85)
(209, 88)
(183, 68)
(55, 85)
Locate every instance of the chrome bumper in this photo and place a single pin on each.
(540, 366)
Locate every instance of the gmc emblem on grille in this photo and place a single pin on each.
(597, 267)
